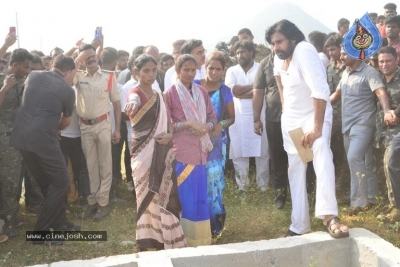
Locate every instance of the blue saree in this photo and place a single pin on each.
(216, 162)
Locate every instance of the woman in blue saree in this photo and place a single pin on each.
(222, 101)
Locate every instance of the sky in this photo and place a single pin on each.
(45, 24)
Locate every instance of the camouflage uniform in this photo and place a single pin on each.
(384, 134)
(334, 75)
(10, 158)
(261, 52)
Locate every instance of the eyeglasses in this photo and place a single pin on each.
(201, 52)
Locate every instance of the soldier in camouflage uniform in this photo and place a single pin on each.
(261, 50)
(334, 73)
(10, 158)
(385, 131)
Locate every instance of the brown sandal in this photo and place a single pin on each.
(333, 231)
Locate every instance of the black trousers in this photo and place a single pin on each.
(278, 156)
(127, 160)
(50, 172)
(33, 196)
(394, 169)
(116, 151)
(72, 148)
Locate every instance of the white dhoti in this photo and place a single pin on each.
(245, 144)
(325, 203)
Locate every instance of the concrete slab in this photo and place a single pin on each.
(126, 260)
(158, 262)
(362, 249)
(78, 263)
(368, 249)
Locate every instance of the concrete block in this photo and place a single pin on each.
(362, 249)
(127, 260)
(158, 262)
(153, 254)
(332, 252)
(78, 263)
(239, 254)
(368, 249)
(289, 256)
(183, 252)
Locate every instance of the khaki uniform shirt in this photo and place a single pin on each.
(93, 93)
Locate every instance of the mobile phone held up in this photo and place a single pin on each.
(98, 34)
(13, 31)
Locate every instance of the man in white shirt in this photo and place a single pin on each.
(176, 52)
(317, 39)
(123, 75)
(154, 52)
(195, 48)
(306, 105)
(71, 147)
(244, 142)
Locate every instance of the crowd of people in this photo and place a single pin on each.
(181, 118)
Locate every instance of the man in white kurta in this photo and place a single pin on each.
(244, 142)
(306, 104)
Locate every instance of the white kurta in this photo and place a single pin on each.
(304, 80)
(244, 142)
(324, 59)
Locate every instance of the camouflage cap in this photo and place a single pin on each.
(222, 47)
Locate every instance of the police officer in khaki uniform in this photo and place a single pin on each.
(96, 88)
(10, 158)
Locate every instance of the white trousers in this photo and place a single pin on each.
(241, 166)
(325, 203)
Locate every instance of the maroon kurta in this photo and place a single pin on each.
(187, 147)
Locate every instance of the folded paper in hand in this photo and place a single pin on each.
(305, 153)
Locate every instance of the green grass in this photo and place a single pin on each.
(250, 217)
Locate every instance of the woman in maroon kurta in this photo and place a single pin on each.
(190, 110)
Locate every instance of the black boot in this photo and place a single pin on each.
(280, 198)
(9, 225)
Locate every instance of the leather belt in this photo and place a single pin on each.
(95, 120)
